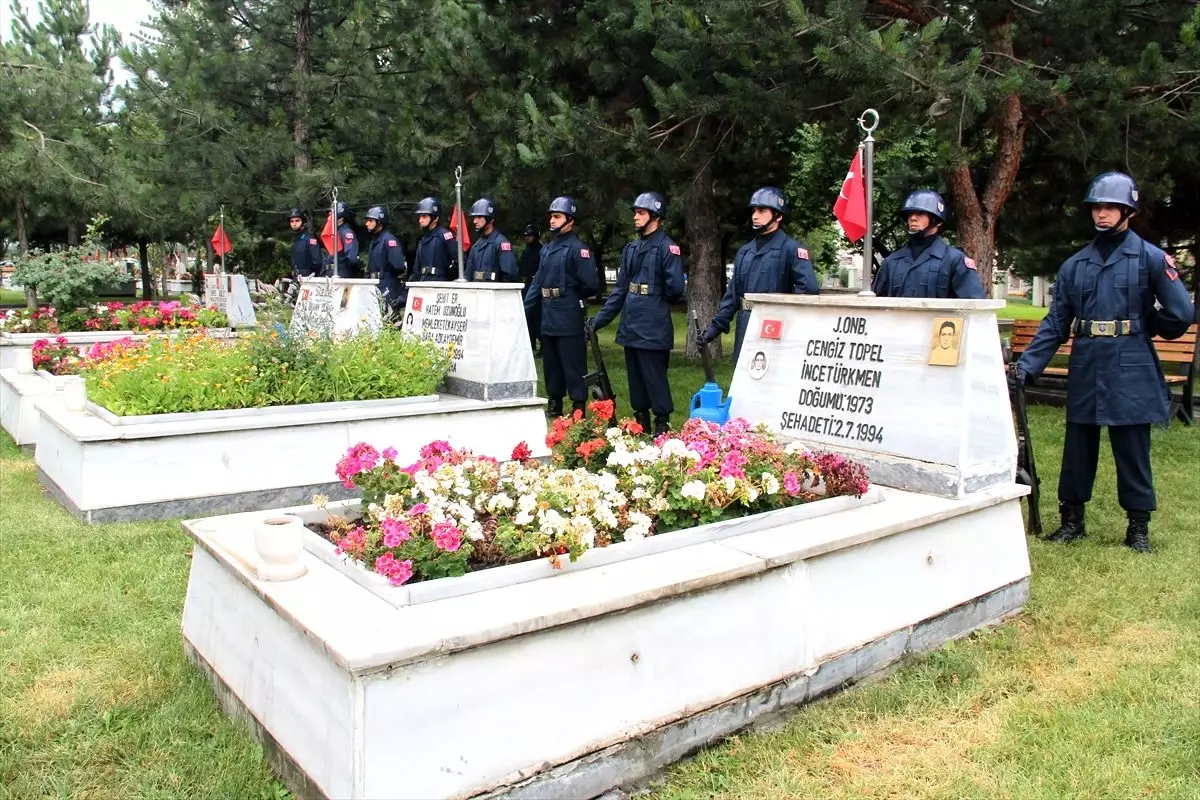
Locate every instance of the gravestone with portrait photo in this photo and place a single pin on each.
(913, 387)
(482, 325)
(325, 306)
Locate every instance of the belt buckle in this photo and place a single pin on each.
(478, 275)
(1103, 328)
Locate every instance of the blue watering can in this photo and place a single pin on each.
(707, 403)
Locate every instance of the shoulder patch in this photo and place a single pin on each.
(349, 236)
(1170, 260)
(970, 262)
(392, 243)
(1170, 271)
(802, 252)
(312, 241)
(674, 249)
(506, 246)
(447, 235)
(583, 253)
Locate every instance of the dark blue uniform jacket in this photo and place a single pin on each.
(386, 260)
(653, 266)
(567, 267)
(939, 271)
(1114, 380)
(492, 259)
(306, 255)
(437, 253)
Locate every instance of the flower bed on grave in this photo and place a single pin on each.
(165, 375)
(139, 317)
(453, 511)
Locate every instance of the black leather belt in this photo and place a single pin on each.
(1105, 327)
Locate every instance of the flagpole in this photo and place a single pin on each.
(222, 229)
(337, 234)
(462, 273)
(869, 178)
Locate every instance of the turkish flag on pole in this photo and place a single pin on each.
(329, 237)
(851, 205)
(220, 242)
(458, 226)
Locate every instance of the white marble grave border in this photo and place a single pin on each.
(355, 698)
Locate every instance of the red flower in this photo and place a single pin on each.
(632, 426)
(577, 415)
(604, 409)
(521, 452)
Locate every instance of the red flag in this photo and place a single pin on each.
(851, 205)
(220, 242)
(458, 225)
(329, 237)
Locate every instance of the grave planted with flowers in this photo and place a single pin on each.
(453, 511)
(114, 316)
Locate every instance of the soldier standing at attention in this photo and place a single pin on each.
(928, 266)
(436, 251)
(565, 277)
(491, 257)
(772, 263)
(385, 259)
(1106, 296)
(650, 278)
(306, 250)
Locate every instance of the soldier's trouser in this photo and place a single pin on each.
(564, 359)
(648, 386)
(534, 320)
(1131, 451)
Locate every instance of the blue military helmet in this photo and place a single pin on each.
(343, 210)
(564, 205)
(379, 214)
(769, 197)
(925, 201)
(653, 202)
(483, 208)
(429, 206)
(296, 213)
(1113, 187)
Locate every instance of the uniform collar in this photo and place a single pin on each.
(772, 242)
(1130, 247)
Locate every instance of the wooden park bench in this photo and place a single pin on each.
(1178, 358)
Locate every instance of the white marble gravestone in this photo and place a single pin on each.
(483, 325)
(914, 388)
(231, 294)
(336, 305)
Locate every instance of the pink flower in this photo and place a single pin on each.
(170, 305)
(418, 510)
(401, 573)
(390, 453)
(731, 467)
(791, 484)
(446, 536)
(395, 532)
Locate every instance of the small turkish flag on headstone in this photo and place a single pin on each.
(771, 329)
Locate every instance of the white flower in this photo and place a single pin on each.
(694, 489)
(500, 502)
(527, 504)
(770, 483)
(730, 483)
(639, 527)
(524, 518)
(640, 494)
(620, 458)
(474, 531)
(751, 493)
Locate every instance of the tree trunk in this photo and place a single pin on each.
(31, 300)
(73, 234)
(977, 215)
(301, 72)
(147, 280)
(703, 236)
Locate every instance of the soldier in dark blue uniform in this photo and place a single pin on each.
(348, 263)
(491, 257)
(1106, 295)
(306, 248)
(565, 277)
(927, 266)
(650, 278)
(530, 258)
(773, 263)
(385, 260)
(437, 251)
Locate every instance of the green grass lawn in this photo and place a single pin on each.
(1093, 693)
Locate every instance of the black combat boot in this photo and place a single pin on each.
(554, 409)
(1137, 535)
(1072, 527)
(662, 425)
(643, 419)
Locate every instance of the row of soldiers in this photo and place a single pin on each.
(1115, 295)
